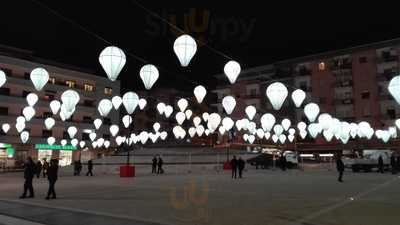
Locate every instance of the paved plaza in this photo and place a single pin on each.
(262, 197)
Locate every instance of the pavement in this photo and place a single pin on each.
(262, 197)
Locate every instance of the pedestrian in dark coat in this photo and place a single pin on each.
(340, 167)
(38, 168)
(234, 165)
(241, 164)
(154, 165)
(393, 163)
(79, 167)
(90, 168)
(380, 164)
(52, 176)
(45, 167)
(160, 164)
(29, 173)
(283, 162)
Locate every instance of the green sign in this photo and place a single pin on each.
(10, 152)
(55, 147)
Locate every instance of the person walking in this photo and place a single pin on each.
(90, 168)
(340, 167)
(241, 164)
(393, 163)
(234, 165)
(29, 173)
(154, 165)
(38, 168)
(52, 176)
(45, 167)
(283, 162)
(79, 167)
(160, 164)
(380, 164)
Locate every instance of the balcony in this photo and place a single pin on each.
(384, 58)
(341, 66)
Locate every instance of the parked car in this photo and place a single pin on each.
(368, 161)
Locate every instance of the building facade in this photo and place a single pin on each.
(17, 65)
(350, 84)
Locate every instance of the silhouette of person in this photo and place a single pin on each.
(234, 164)
(45, 167)
(29, 173)
(380, 164)
(90, 168)
(38, 168)
(241, 164)
(340, 167)
(160, 164)
(154, 165)
(52, 176)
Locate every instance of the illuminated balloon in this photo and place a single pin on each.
(282, 138)
(228, 123)
(49, 123)
(82, 144)
(188, 114)
(114, 129)
(277, 93)
(32, 99)
(92, 136)
(394, 88)
(70, 99)
(205, 116)
(149, 75)
(200, 92)
(112, 59)
(314, 129)
(72, 131)
(97, 123)
(286, 124)
(311, 110)
(51, 140)
(298, 97)
(20, 127)
(160, 108)
(55, 106)
(130, 101)
(325, 120)
(156, 126)
(142, 103)
(196, 121)
(290, 137)
(301, 126)
(163, 135)
(3, 78)
(278, 129)
(192, 131)
(199, 130)
(267, 121)
(24, 136)
(182, 104)
(74, 142)
(168, 111)
(250, 111)
(107, 143)
(260, 133)
(5, 127)
(232, 70)
(104, 107)
(185, 48)
(28, 112)
(213, 121)
(180, 118)
(116, 102)
(229, 103)
(39, 78)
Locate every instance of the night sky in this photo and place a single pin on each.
(247, 31)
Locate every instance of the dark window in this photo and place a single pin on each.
(365, 95)
(47, 114)
(106, 136)
(253, 92)
(391, 113)
(46, 133)
(107, 121)
(65, 135)
(27, 76)
(89, 103)
(322, 100)
(25, 93)
(4, 111)
(85, 137)
(87, 119)
(4, 91)
(8, 72)
(362, 59)
(48, 97)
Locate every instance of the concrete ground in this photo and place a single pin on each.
(262, 197)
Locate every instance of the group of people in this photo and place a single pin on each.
(237, 164)
(78, 168)
(157, 164)
(31, 169)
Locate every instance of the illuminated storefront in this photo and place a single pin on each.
(6, 155)
(65, 154)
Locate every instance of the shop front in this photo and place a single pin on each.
(6, 156)
(65, 154)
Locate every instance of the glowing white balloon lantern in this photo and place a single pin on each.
(397, 122)
(82, 144)
(55, 106)
(94, 144)
(185, 48)
(369, 133)
(156, 126)
(228, 123)
(344, 130)
(32, 99)
(153, 137)
(3, 78)
(105, 107)
(97, 123)
(200, 92)
(39, 78)
(251, 139)
(205, 116)
(100, 142)
(213, 121)
(196, 121)
(394, 88)
(21, 119)
(92, 136)
(114, 129)
(182, 104)
(282, 138)
(275, 138)
(232, 70)
(126, 120)
(245, 137)
(119, 140)
(286, 124)
(325, 120)
(311, 110)
(303, 134)
(178, 132)
(277, 93)
(252, 127)
(70, 99)
(112, 59)
(149, 75)
(160, 108)
(51, 140)
(353, 130)
(328, 135)
(49, 123)
(20, 127)
(314, 129)
(28, 112)
(393, 132)
(163, 135)
(24, 136)
(292, 131)
(229, 103)
(64, 113)
(63, 142)
(239, 125)
(385, 136)
(188, 114)
(107, 144)
(199, 130)
(180, 118)
(142, 103)
(168, 111)
(207, 132)
(298, 97)
(278, 129)
(290, 137)
(301, 126)
(250, 111)
(5, 127)
(72, 131)
(116, 102)
(130, 101)
(260, 133)
(267, 121)
(74, 142)
(192, 131)
(267, 135)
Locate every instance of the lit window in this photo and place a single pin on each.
(108, 91)
(70, 83)
(89, 87)
(321, 66)
(52, 80)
